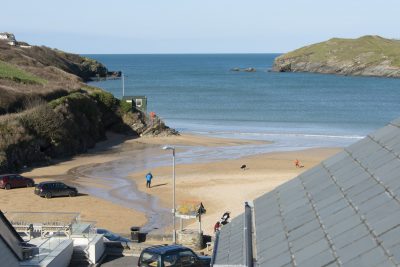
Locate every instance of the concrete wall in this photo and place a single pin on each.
(96, 248)
(61, 256)
(80, 241)
(7, 258)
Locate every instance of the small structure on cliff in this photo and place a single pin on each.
(9, 37)
(138, 102)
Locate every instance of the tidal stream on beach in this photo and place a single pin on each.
(110, 180)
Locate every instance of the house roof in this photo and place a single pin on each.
(343, 212)
(133, 97)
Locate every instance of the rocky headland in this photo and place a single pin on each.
(47, 110)
(365, 56)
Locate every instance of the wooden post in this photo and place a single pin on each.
(181, 220)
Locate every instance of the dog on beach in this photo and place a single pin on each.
(243, 167)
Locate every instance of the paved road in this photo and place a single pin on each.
(119, 261)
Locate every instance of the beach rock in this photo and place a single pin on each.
(250, 70)
(244, 69)
(114, 74)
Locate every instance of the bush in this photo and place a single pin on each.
(42, 122)
(106, 99)
(125, 107)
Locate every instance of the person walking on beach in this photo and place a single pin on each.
(149, 176)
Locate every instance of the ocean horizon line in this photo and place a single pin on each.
(176, 54)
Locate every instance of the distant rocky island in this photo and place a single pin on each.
(250, 69)
(365, 56)
(48, 111)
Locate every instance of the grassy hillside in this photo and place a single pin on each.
(41, 72)
(367, 55)
(12, 73)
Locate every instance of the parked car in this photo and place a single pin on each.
(110, 236)
(55, 189)
(8, 181)
(171, 255)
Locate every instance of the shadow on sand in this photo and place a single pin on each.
(157, 185)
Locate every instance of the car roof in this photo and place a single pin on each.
(50, 182)
(163, 249)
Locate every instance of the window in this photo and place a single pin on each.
(187, 258)
(149, 259)
(170, 260)
(139, 103)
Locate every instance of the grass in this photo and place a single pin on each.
(10, 72)
(365, 50)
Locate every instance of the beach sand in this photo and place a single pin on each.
(224, 186)
(220, 185)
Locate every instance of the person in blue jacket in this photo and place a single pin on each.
(149, 176)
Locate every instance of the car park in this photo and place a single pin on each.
(8, 181)
(171, 256)
(55, 189)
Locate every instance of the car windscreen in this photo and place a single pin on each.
(149, 259)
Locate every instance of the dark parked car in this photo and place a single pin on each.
(55, 189)
(170, 256)
(8, 181)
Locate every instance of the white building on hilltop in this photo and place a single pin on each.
(9, 37)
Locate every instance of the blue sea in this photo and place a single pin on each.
(200, 94)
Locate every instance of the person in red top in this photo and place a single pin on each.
(297, 163)
(217, 226)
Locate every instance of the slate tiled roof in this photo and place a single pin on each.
(233, 245)
(343, 212)
(10, 237)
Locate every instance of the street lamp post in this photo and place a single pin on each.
(173, 190)
(123, 84)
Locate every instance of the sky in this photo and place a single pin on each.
(190, 26)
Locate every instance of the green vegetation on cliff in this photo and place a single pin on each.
(46, 111)
(12, 73)
(366, 56)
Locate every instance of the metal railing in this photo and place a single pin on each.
(46, 230)
(40, 248)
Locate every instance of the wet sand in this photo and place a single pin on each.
(112, 179)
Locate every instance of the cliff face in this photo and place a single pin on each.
(39, 57)
(46, 111)
(365, 56)
(66, 126)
